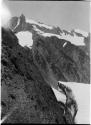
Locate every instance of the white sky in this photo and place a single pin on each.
(66, 14)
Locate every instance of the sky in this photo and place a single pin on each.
(65, 14)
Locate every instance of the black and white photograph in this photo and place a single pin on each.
(45, 62)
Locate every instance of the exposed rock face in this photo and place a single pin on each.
(28, 74)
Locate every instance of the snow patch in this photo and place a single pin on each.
(85, 34)
(59, 95)
(64, 44)
(51, 35)
(36, 29)
(73, 39)
(18, 22)
(25, 38)
(81, 92)
(39, 24)
(46, 26)
(31, 21)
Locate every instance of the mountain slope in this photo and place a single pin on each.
(26, 97)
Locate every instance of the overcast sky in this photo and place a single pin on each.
(66, 14)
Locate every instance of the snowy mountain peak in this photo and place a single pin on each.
(21, 23)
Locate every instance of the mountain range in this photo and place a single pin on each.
(66, 52)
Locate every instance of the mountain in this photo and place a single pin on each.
(67, 53)
(34, 58)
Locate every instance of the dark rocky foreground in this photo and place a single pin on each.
(26, 97)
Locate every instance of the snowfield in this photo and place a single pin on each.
(82, 95)
(25, 38)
